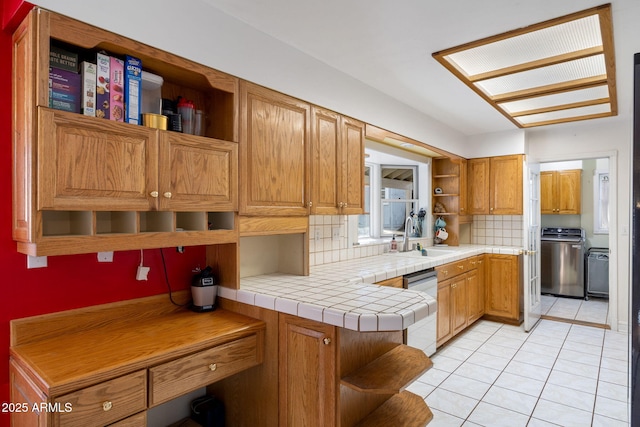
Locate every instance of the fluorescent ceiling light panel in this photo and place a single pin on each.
(555, 66)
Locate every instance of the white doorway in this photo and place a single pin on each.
(532, 295)
(610, 241)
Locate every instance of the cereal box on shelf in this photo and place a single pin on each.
(64, 90)
(103, 64)
(63, 59)
(132, 89)
(116, 89)
(88, 88)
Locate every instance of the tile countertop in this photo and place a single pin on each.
(343, 293)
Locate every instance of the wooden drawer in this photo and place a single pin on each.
(452, 269)
(104, 403)
(188, 373)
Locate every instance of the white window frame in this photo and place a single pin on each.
(601, 201)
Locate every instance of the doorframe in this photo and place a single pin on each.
(612, 155)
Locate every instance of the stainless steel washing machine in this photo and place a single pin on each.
(562, 261)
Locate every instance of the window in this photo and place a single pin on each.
(601, 202)
(398, 196)
(364, 220)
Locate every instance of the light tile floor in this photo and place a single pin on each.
(595, 310)
(559, 374)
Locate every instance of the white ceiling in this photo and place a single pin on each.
(388, 45)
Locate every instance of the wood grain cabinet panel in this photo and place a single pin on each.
(505, 192)
(104, 403)
(502, 287)
(478, 186)
(561, 192)
(495, 185)
(189, 373)
(84, 163)
(274, 152)
(200, 174)
(338, 163)
(308, 376)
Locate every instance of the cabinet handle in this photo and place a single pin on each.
(326, 341)
(454, 285)
(473, 262)
(167, 194)
(445, 272)
(213, 366)
(106, 406)
(154, 194)
(461, 267)
(309, 204)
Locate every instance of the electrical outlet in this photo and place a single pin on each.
(317, 236)
(335, 233)
(105, 256)
(36, 261)
(142, 272)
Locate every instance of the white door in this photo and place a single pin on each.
(531, 259)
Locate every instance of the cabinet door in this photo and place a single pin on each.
(463, 203)
(325, 177)
(505, 194)
(459, 303)
(443, 315)
(475, 294)
(197, 174)
(548, 195)
(274, 152)
(502, 286)
(307, 365)
(478, 186)
(89, 164)
(352, 167)
(569, 191)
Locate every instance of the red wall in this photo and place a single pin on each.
(68, 281)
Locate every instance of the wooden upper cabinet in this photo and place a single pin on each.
(463, 203)
(505, 194)
(197, 174)
(88, 164)
(84, 184)
(352, 174)
(478, 186)
(274, 152)
(495, 185)
(338, 163)
(561, 192)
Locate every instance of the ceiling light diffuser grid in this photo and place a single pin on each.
(564, 98)
(550, 72)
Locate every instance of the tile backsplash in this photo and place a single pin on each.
(329, 237)
(503, 230)
(324, 248)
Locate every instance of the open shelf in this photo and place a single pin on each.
(405, 409)
(391, 372)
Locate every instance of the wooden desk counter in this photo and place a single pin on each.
(72, 350)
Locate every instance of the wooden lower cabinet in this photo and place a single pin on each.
(315, 374)
(460, 296)
(307, 366)
(502, 287)
(443, 320)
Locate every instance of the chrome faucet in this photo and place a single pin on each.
(408, 225)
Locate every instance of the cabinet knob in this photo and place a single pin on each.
(213, 366)
(491, 209)
(167, 194)
(326, 341)
(309, 204)
(106, 406)
(154, 194)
